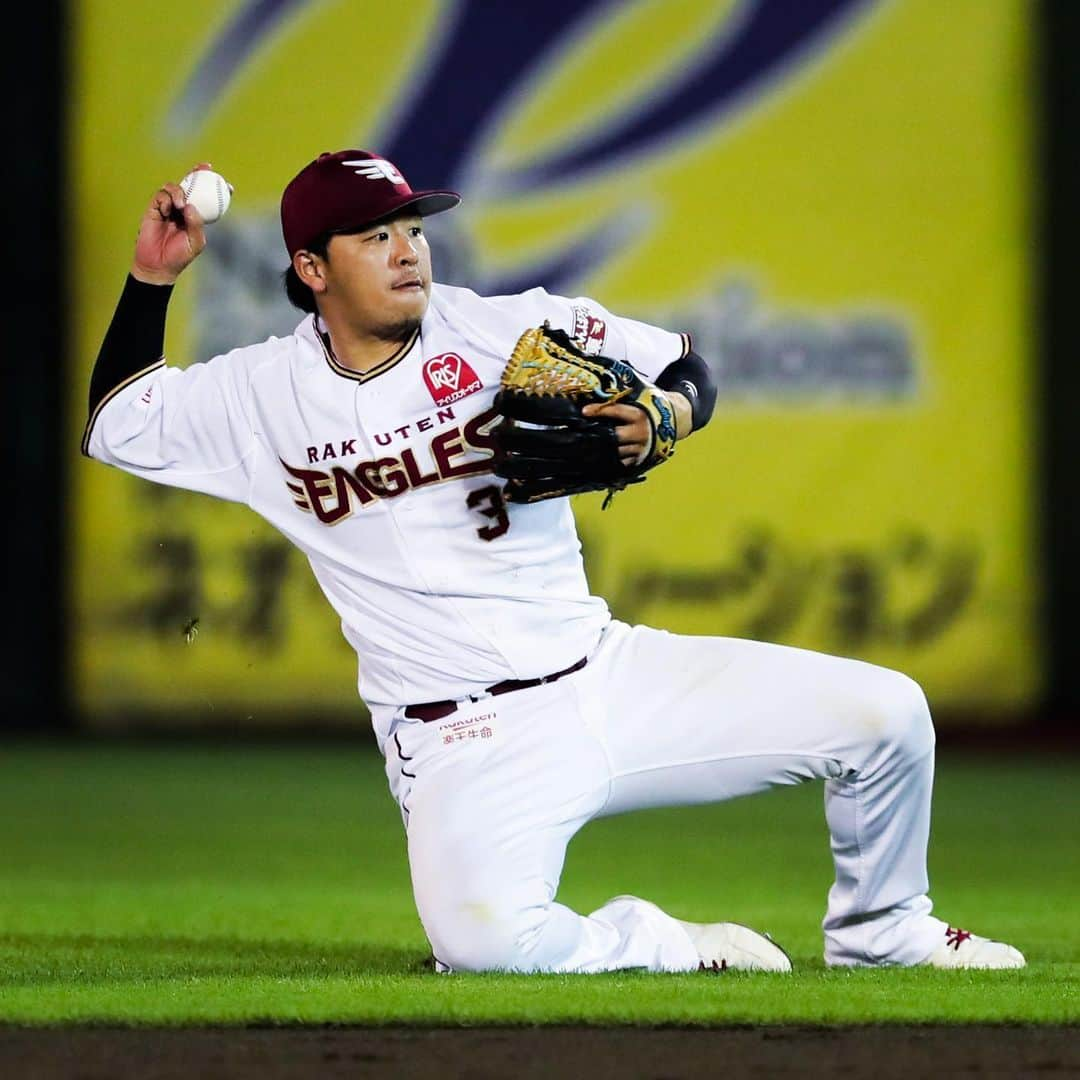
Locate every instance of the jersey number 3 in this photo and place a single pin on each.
(489, 502)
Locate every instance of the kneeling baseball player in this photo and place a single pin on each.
(418, 443)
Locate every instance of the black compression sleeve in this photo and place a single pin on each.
(691, 377)
(134, 341)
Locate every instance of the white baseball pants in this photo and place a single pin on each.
(492, 794)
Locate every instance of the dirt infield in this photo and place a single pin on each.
(600, 1053)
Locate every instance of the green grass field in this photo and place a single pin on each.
(192, 883)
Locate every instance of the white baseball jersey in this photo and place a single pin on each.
(383, 480)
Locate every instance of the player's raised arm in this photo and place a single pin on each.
(183, 427)
(171, 236)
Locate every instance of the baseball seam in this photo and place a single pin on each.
(188, 184)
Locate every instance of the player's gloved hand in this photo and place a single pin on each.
(633, 429)
(171, 236)
(546, 444)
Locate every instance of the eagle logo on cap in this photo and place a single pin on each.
(375, 169)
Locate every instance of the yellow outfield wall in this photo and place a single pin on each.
(835, 200)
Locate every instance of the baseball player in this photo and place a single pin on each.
(510, 706)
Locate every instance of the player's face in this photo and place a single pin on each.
(380, 278)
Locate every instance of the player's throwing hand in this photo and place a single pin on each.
(171, 236)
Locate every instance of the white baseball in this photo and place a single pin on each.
(209, 192)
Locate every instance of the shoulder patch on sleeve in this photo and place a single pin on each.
(589, 331)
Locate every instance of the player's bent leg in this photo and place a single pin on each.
(485, 896)
(878, 814)
(886, 809)
(549, 937)
(706, 719)
(488, 823)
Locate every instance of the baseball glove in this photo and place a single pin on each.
(545, 447)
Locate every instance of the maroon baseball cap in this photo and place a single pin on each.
(348, 190)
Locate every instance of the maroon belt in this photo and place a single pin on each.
(436, 710)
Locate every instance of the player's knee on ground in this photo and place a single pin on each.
(486, 936)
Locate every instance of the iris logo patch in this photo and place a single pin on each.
(449, 378)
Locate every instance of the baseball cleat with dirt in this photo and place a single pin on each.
(962, 949)
(727, 946)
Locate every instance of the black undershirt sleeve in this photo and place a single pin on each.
(691, 377)
(134, 341)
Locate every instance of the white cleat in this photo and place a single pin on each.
(728, 946)
(961, 949)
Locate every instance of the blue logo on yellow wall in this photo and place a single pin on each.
(435, 136)
(438, 132)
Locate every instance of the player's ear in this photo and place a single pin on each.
(309, 270)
